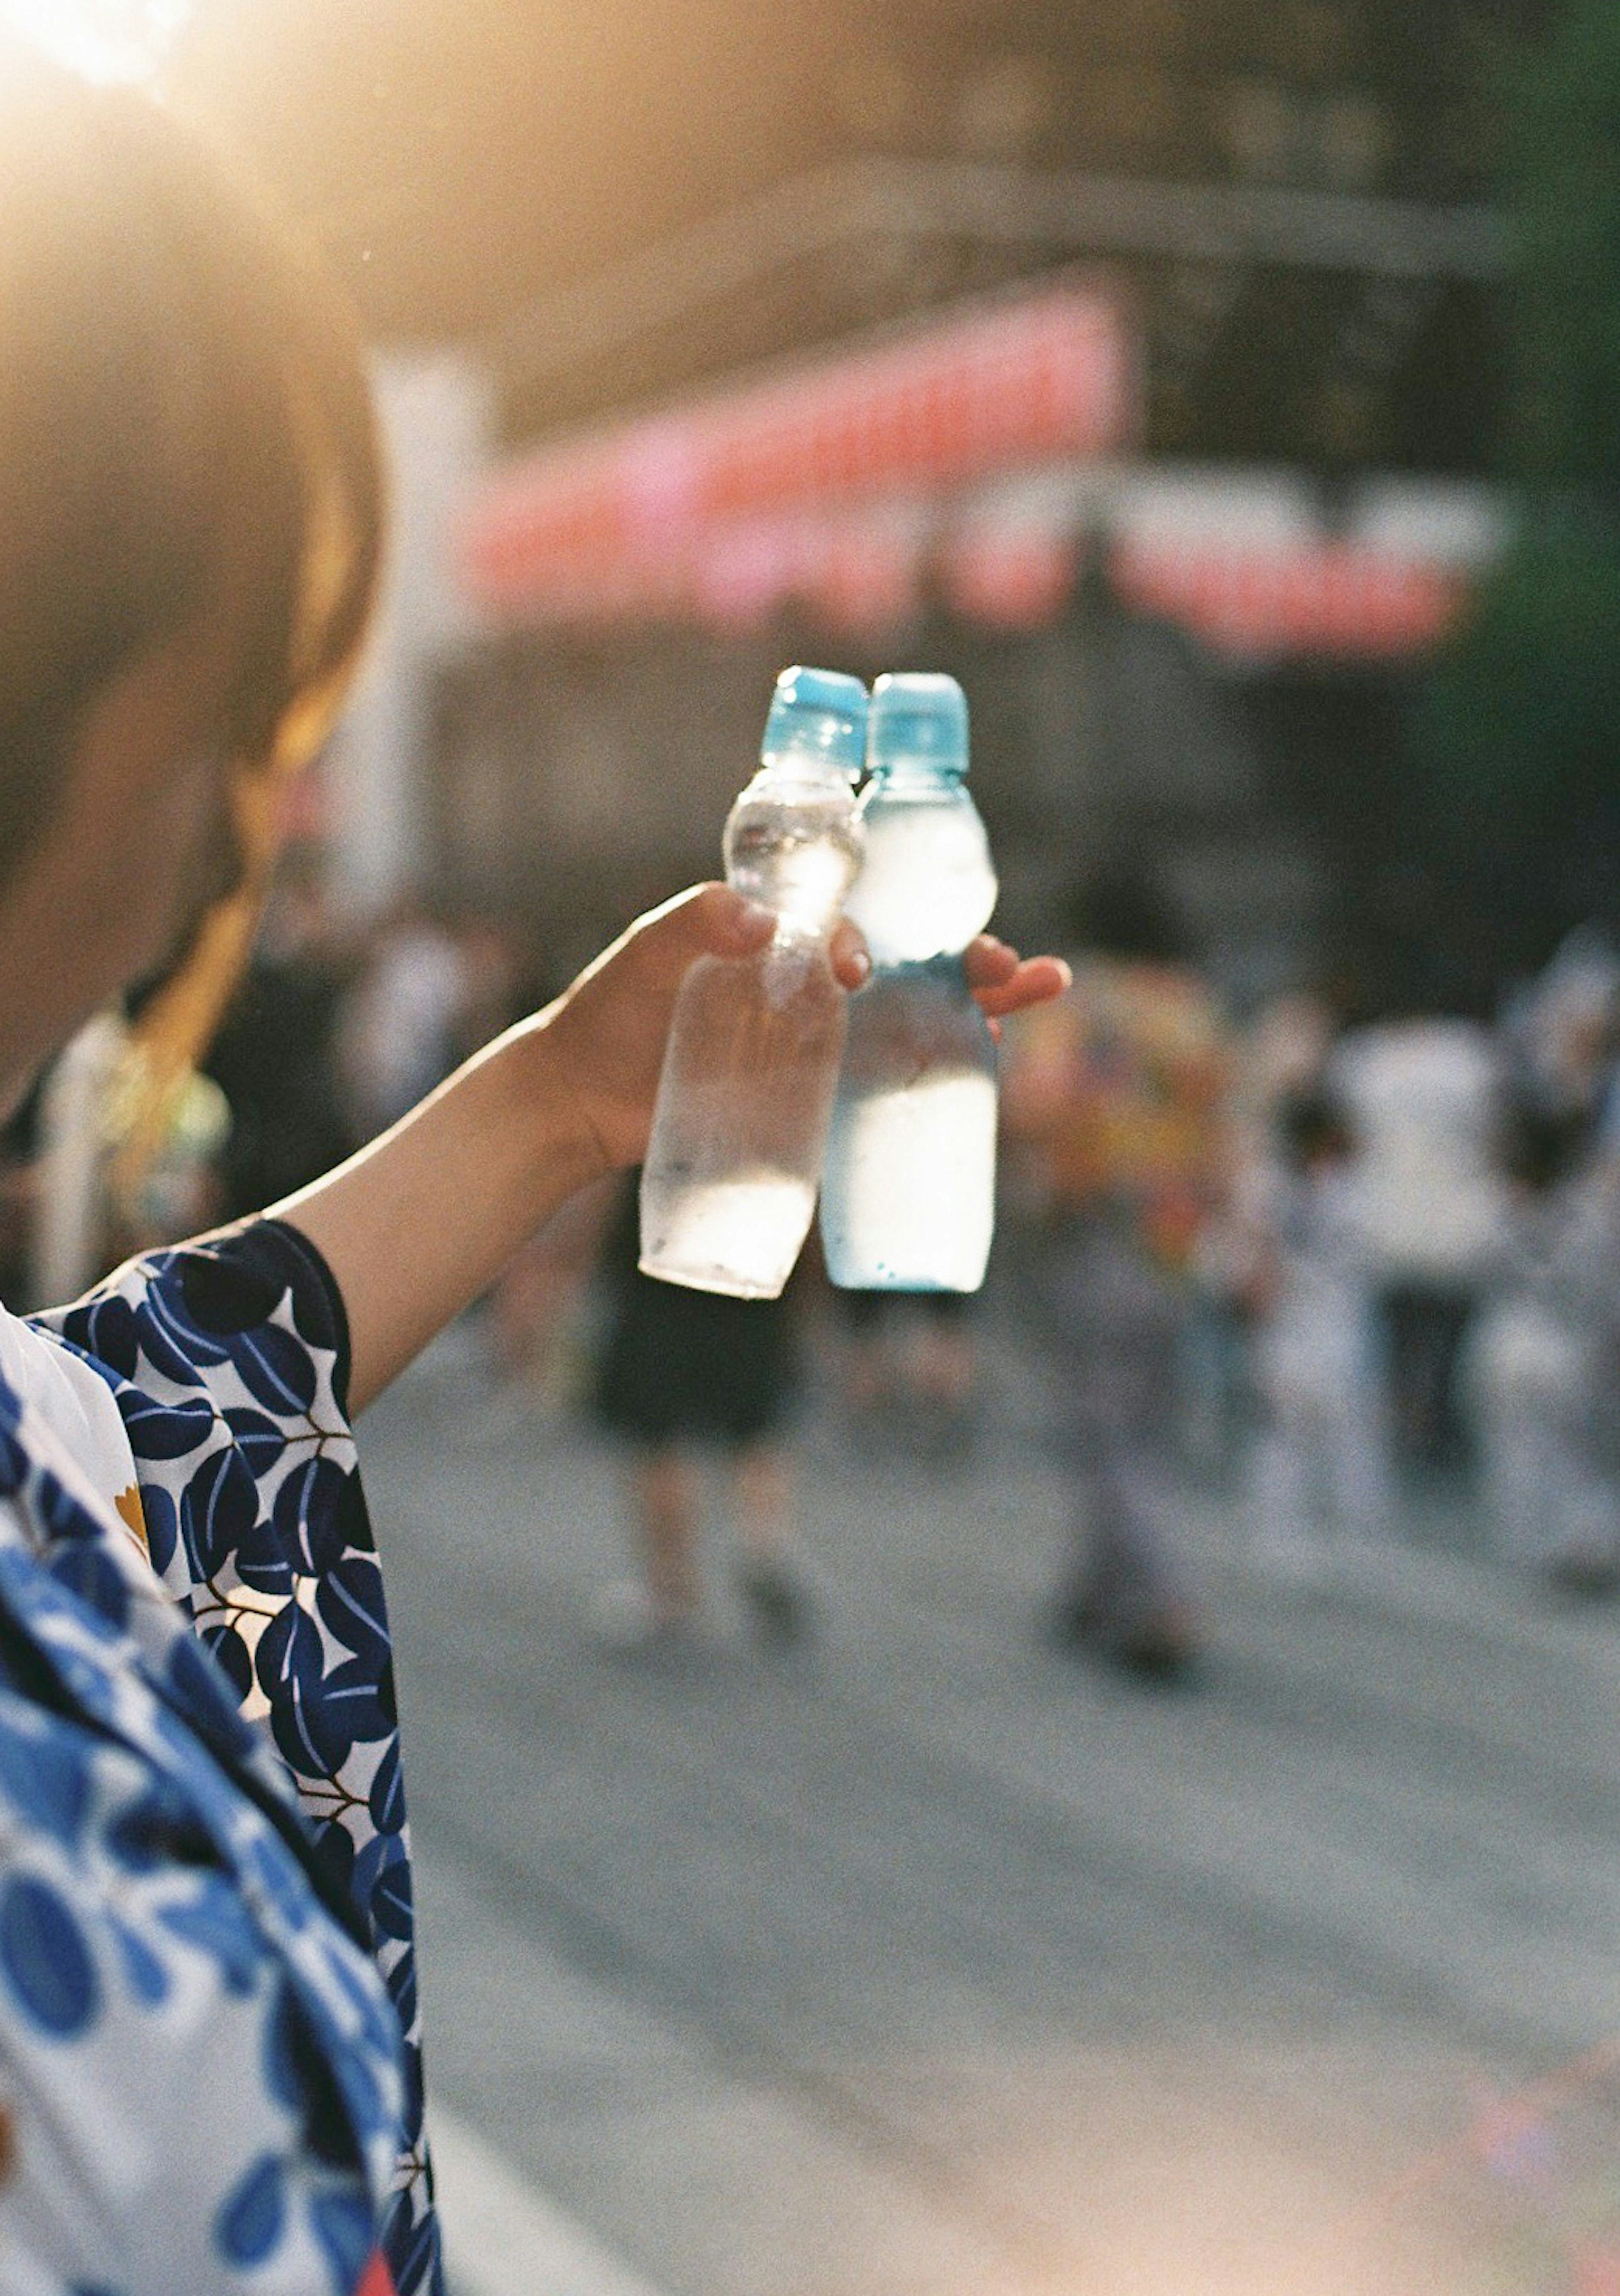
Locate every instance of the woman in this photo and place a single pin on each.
(209, 2076)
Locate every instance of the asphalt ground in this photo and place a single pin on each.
(927, 1959)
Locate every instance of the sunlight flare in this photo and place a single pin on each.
(104, 40)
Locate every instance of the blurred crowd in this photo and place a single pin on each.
(1356, 1271)
(333, 1033)
(1343, 1271)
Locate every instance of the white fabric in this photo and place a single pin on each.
(76, 1404)
(1422, 1097)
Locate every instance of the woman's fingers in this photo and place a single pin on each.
(852, 965)
(1005, 983)
(715, 921)
(987, 961)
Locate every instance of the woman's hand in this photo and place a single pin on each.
(424, 1219)
(607, 1031)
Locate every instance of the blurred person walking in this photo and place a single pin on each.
(683, 1374)
(1111, 1102)
(403, 1024)
(276, 1053)
(1537, 1371)
(1282, 1053)
(1320, 1462)
(1422, 1094)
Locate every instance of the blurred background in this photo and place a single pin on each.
(1110, 1787)
(1193, 557)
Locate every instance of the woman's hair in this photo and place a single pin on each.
(186, 442)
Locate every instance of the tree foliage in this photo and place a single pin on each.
(1516, 750)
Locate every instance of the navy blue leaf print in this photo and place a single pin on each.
(218, 1511)
(311, 1515)
(387, 1799)
(275, 1368)
(107, 1331)
(290, 1661)
(359, 1702)
(231, 1655)
(382, 1884)
(316, 1315)
(169, 1323)
(262, 1442)
(224, 1297)
(13, 1463)
(349, 1599)
(165, 1431)
(262, 1561)
(412, 2250)
(163, 1521)
(335, 1855)
(402, 1990)
(241, 1484)
(169, 1342)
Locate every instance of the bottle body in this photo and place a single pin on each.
(746, 1097)
(739, 1132)
(909, 1191)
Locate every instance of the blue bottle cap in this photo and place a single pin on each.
(820, 714)
(918, 717)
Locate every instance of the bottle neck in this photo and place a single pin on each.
(791, 770)
(793, 844)
(918, 777)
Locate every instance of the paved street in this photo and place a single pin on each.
(927, 1962)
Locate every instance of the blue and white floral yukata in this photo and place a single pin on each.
(210, 2064)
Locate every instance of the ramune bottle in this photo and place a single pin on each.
(740, 1125)
(908, 1200)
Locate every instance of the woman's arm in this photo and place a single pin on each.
(421, 1222)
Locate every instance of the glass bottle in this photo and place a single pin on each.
(908, 1201)
(740, 1125)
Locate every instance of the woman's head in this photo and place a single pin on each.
(189, 486)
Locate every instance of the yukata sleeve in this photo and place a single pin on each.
(229, 1362)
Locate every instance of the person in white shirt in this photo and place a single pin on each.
(1541, 1354)
(1422, 1093)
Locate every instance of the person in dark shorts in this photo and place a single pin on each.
(681, 1372)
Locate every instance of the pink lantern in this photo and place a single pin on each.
(1286, 598)
(1012, 578)
(1048, 377)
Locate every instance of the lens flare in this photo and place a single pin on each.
(103, 40)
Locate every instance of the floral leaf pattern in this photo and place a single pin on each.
(228, 1362)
